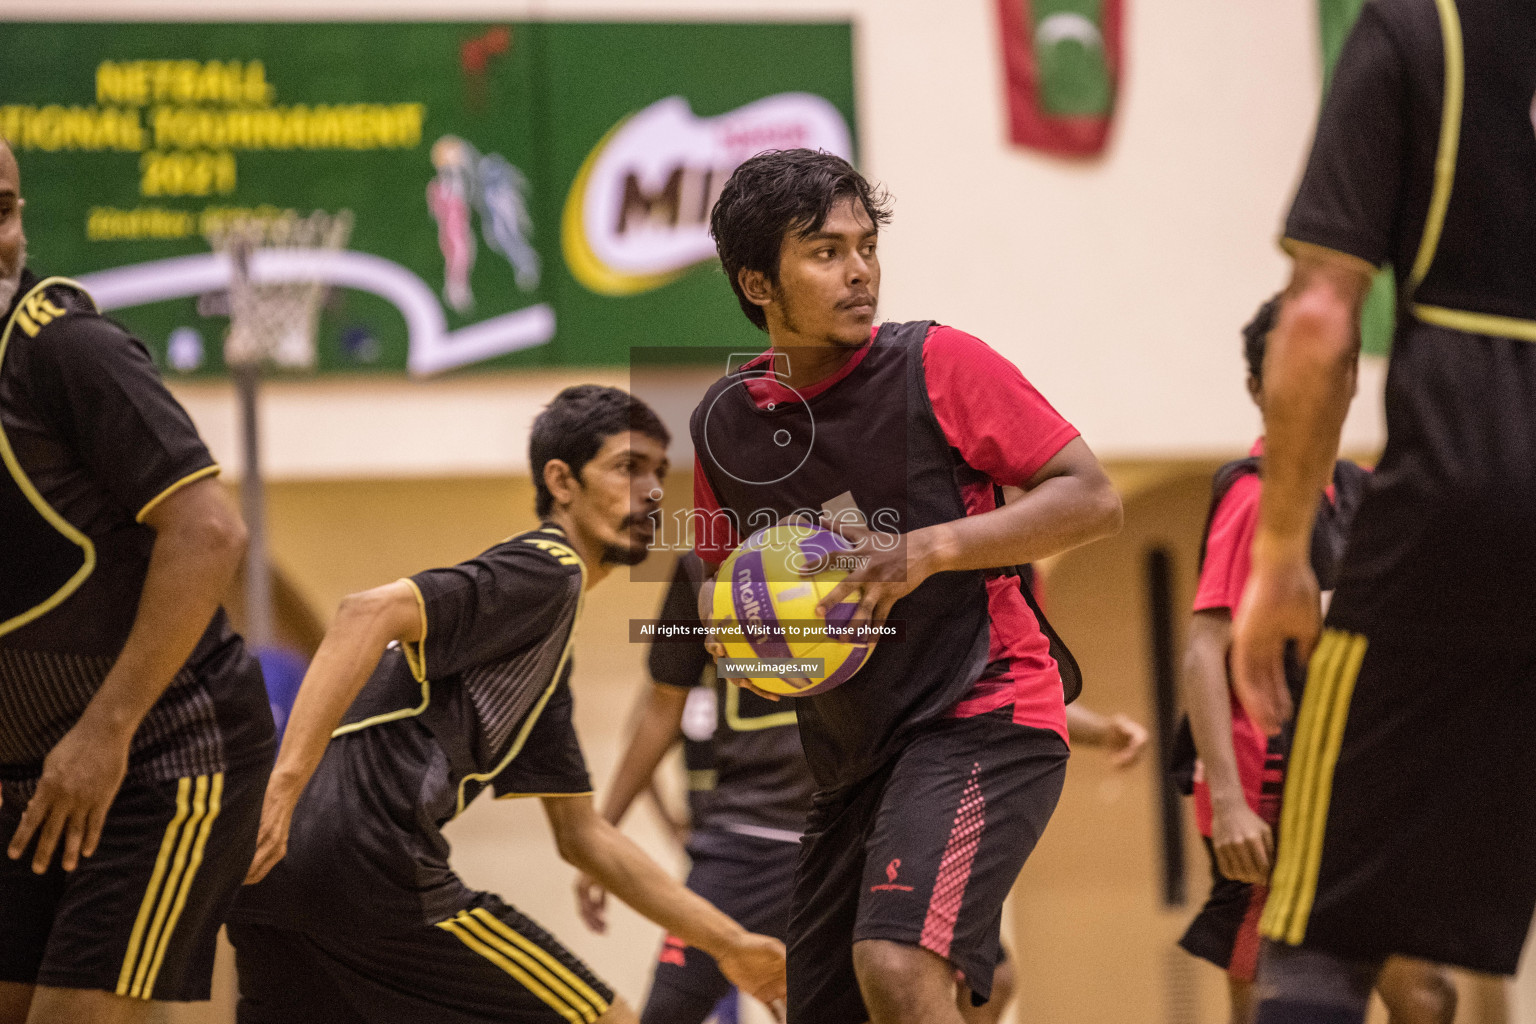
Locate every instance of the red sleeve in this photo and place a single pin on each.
(994, 417)
(714, 533)
(1229, 547)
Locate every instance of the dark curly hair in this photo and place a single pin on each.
(574, 425)
(775, 193)
(1256, 335)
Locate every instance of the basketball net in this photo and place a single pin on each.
(269, 324)
(275, 323)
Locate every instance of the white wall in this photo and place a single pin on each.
(1117, 285)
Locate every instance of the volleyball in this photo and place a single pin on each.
(767, 601)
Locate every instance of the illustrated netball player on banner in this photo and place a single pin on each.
(490, 186)
(940, 762)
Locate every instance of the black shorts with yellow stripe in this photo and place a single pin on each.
(140, 917)
(1408, 824)
(486, 963)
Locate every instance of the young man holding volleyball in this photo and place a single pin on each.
(940, 762)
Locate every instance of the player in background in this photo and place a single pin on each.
(135, 738)
(938, 765)
(749, 790)
(1238, 778)
(1409, 811)
(425, 693)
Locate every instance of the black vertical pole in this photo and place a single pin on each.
(1159, 576)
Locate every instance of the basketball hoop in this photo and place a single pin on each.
(273, 315)
(274, 324)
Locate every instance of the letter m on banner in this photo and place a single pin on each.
(1063, 63)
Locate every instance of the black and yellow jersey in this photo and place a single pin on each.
(482, 701)
(747, 773)
(1425, 158)
(91, 442)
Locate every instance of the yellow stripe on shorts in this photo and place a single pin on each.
(152, 892)
(458, 928)
(496, 938)
(573, 979)
(1331, 681)
(215, 794)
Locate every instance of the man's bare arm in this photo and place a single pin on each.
(199, 540)
(365, 624)
(659, 726)
(1069, 502)
(1122, 736)
(755, 963)
(1309, 371)
(1243, 842)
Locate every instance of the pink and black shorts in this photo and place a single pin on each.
(922, 853)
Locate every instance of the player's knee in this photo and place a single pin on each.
(902, 984)
(992, 1010)
(1424, 996)
(1003, 982)
(619, 1012)
(15, 999)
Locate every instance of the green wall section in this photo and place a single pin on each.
(121, 151)
(1378, 318)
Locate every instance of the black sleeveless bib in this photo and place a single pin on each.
(873, 435)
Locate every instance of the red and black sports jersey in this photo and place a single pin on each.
(93, 442)
(920, 426)
(482, 701)
(747, 773)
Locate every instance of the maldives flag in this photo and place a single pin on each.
(1063, 63)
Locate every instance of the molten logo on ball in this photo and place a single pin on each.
(772, 585)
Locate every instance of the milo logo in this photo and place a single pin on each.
(637, 216)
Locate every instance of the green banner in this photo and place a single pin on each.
(522, 194)
(1378, 318)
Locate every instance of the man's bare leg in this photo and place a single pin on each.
(991, 1011)
(85, 1006)
(904, 984)
(14, 1000)
(1416, 992)
(618, 1013)
(1240, 995)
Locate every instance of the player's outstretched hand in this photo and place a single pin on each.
(1280, 605)
(1126, 740)
(81, 776)
(592, 902)
(1244, 844)
(272, 837)
(755, 964)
